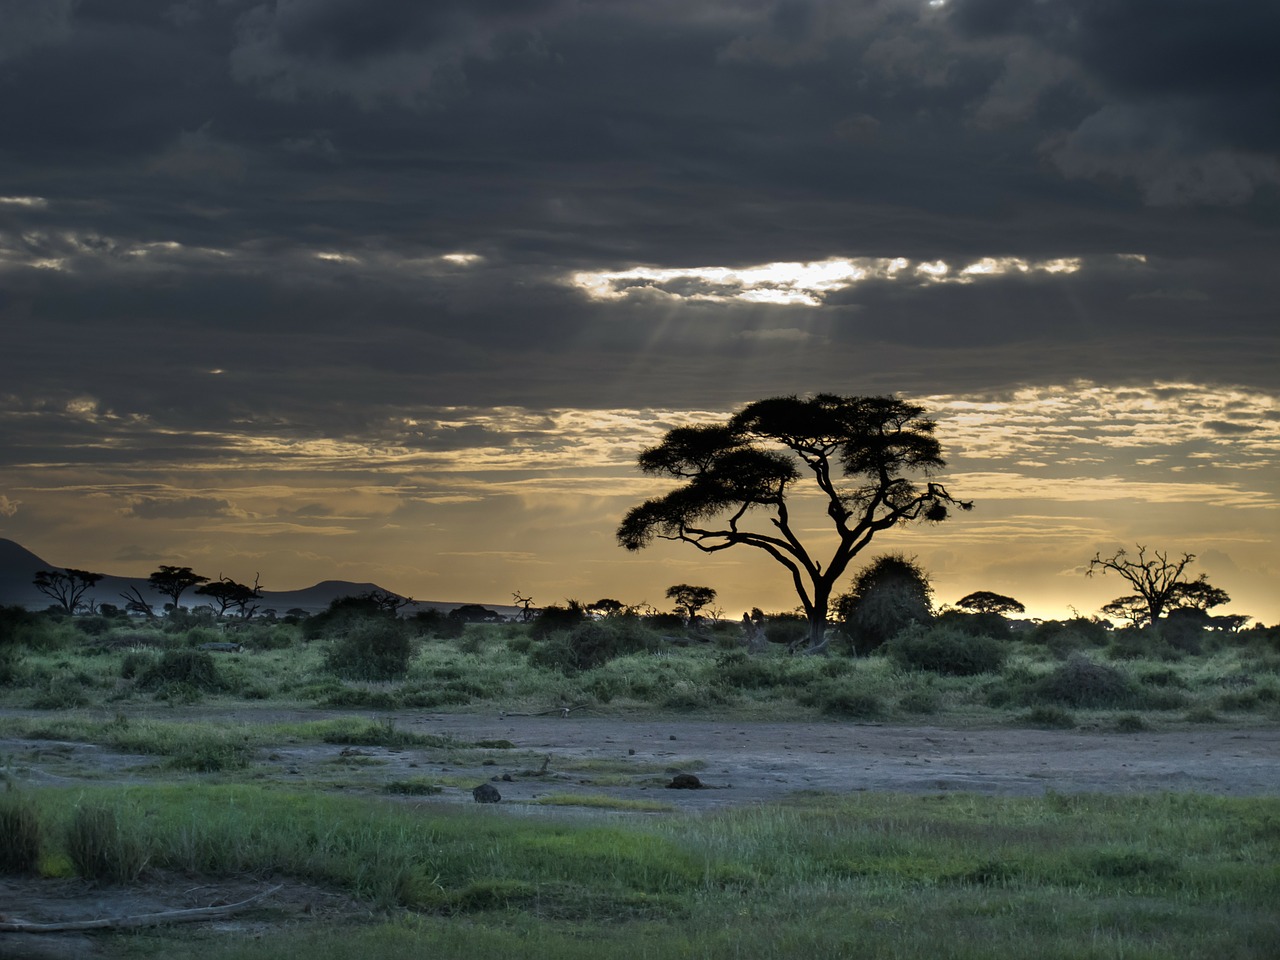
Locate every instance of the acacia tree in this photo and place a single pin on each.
(691, 599)
(228, 594)
(859, 453)
(173, 582)
(1160, 584)
(984, 601)
(66, 586)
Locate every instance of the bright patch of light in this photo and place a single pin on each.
(36, 202)
(462, 258)
(795, 284)
(333, 257)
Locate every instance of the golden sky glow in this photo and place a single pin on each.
(529, 500)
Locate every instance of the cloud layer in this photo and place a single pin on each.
(330, 270)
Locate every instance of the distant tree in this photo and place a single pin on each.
(1133, 609)
(67, 586)
(607, 607)
(135, 602)
(227, 594)
(1199, 594)
(526, 606)
(475, 613)
(1160, 583)
(173, 582)
(984, 601)
(888, 595)
(690, 599)
(386, 601)
(747, 466)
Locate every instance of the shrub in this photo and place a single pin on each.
(378, 649)
(101, 848)
(945, 650)
(740, 671)
(1081, 682)
(919, 701)
(556, 619)
(19, 835)
(592, 643)
(1064, 637)
(61, 693)
(888, 596)
(190, 669)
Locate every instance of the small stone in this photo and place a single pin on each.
(486, 793)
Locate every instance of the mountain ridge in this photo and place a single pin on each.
(18, 567)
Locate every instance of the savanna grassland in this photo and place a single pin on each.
(137, 762)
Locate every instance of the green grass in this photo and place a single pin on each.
(953, 876)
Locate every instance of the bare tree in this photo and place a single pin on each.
(135, 602)
(66, 586)
(1157, 579)
(746, 466)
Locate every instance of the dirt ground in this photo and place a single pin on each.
(738, 762)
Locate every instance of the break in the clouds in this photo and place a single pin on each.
(422, 277)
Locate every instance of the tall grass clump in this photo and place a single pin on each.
(185, 670)
(102, 845)
(20, 834)
(947, 650)
(371, 649)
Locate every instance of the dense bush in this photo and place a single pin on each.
(737, 670)
(839, 698)
(185, 668)
(976, 624)
(1064, 637)
(887, 596)
(556, 619)
(375, 649)
(1081, 682)
(592, 643)
(946, 650)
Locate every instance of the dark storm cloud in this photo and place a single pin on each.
(273, 191)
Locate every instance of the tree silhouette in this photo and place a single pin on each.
(66, 586)
(1159, 582)
(173, 582)
(984, 601)
(690, 599)
(734, 471)
(228, 594)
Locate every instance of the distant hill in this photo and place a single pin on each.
(18, 567)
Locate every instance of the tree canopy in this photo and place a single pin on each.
(985, 601)
(863, 457)
(1160, 583)
(690, 599)
(66, 586)
(173, 582)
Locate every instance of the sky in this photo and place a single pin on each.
(391, 291)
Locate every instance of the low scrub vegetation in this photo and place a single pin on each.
(962, 667)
